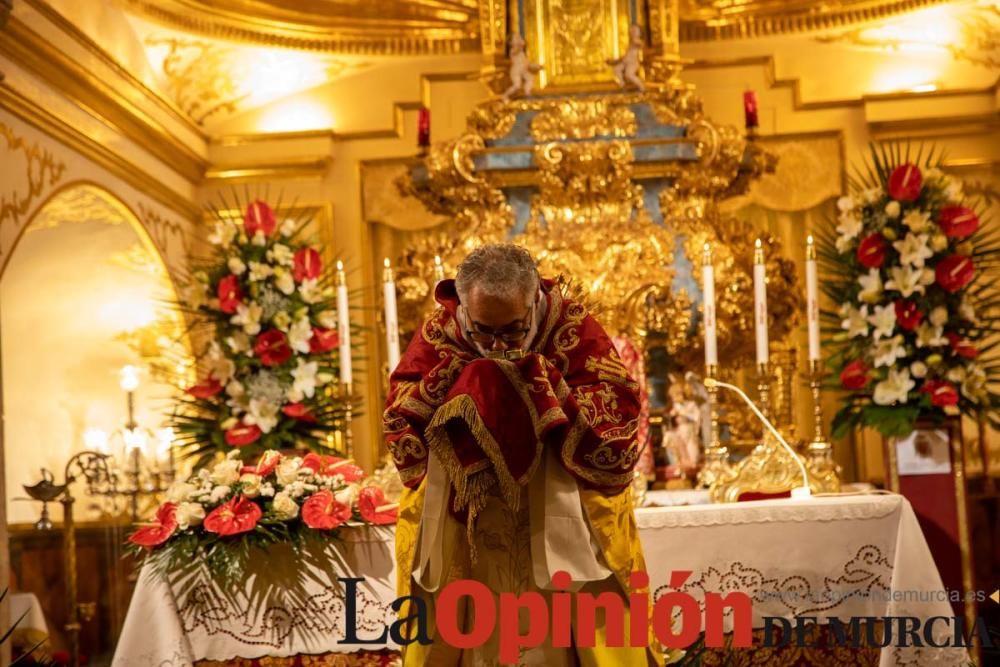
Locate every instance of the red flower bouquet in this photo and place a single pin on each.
(904, 264)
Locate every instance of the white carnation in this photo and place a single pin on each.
(189, 514)
(288, 471)
(180, 491)
(285, 507)
(226, 472)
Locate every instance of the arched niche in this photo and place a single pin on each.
(84, 292)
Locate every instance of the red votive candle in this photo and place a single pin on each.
(423, 127)
(750, 109)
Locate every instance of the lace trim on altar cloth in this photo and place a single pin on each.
(770, 511)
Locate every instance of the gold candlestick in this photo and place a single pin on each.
(819, 453)
(716, 454)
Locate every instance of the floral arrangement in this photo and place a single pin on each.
(266, 377)
(222, 511)
(907, 266)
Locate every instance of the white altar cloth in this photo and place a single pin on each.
(837, 556)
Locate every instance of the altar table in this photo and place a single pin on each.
(835, 556)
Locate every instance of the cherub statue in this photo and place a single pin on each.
(522, 71)
(683, 440)
(626, 68)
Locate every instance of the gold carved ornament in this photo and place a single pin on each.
(41, 169)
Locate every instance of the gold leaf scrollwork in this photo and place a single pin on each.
(42, 169)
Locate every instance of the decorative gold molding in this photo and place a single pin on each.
(96, 152)
(160, 229)
(763, 18)
(795, 86)
(39, 163)
(388, 27)
(33, 52)
(129, 79)
(297, 135)
(308, 168)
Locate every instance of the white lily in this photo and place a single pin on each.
(327, 319)
(304, 380)
(259, 239)
(248, 316)
(260, 271)
(284, 280)
(226, 472)
(262, 413)
(299, 334)
(913, 249)
(287, 227)
(929, 335)
(871, 195)
(855, 320)
(189, 514)
(887, 351)
(894, 389)
(223, 234)
(846, 203)
(917, 220)
(310, 291)
(905, 280)
(282, 320)
(281, 254)
(871, 286)
(848, 229)
(967, 311)
(236, 266)
(238, 342)
(974, 384)
(884, 321)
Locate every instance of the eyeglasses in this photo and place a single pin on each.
(487, 338)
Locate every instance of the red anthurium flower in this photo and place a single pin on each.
(962, 347)
(259, 218)
(908, 315)
(266, 464)
(333, 465)
(243, 435)
(954, 272)
(904, 182)
(306, 265)
(323, 340)
(322, 511)
(160, 532)
(239, 515)
(229, 293)
(871, 251)
(272, 348)
(957, 222)
(943, 393)
(371, 501)
(298, 411)
(854, 376)
(206, 389)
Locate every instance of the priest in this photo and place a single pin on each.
(512, 422)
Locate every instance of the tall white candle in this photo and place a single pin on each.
(391, 320)
(812, 300)
(708, 295)
(344, 327)
(760, 303)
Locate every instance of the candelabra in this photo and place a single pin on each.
(819, 452)
(146, 462)
(716, 462)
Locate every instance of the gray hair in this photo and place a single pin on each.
(501, 270)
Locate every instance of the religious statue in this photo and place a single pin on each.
(626, 68)
(513, 421)
(683, 438)
(522, 70)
